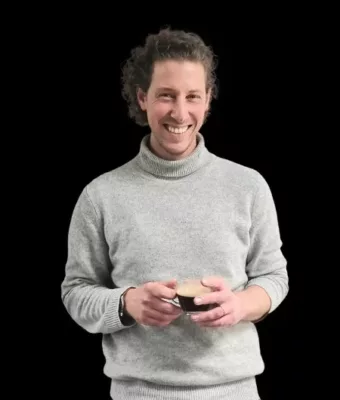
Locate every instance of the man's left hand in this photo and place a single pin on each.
(229, 310)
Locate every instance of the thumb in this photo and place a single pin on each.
(170, 284)
(215, 282)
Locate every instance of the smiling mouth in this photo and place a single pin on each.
(177, 130)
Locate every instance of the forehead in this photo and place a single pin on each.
(179, 75)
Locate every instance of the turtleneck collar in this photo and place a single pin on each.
(162, 168)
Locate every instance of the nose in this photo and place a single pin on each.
(179, 111)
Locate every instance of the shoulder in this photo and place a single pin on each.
(240, 175)
(246, 185)
(108, 184)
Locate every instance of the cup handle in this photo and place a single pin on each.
(175, 301)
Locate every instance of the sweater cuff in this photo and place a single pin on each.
(112, 319)
(268, 286)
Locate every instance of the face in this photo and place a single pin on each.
(176, 104)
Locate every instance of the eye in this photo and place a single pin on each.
(194, 96)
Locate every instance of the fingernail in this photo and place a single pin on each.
(198, 300)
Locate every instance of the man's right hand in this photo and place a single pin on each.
(146, 306)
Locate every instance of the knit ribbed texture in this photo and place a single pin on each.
(167, 169)
(244, 389)
(155, 220)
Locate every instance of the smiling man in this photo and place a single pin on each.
(175, 211)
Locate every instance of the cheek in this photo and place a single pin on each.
(199, 112)
(160, 111)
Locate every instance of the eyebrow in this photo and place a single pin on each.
(165, 88)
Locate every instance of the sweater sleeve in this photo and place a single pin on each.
(266, 264)
(87, 290)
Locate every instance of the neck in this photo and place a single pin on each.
(172, 169)
(157, 148)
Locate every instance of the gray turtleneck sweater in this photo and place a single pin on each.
(155, 220)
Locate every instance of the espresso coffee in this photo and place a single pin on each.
(186, 293)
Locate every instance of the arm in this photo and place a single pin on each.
(266, 269)
(267, 284)
(87, 289)
(266, 264)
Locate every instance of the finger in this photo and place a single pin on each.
(212, 315)
(164, 307)
(170, 284)
(211, 298)
(214, 282)
(157, 316)
(161, 289)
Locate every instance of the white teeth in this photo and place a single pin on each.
(177, 130)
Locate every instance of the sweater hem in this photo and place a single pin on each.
(244, 389)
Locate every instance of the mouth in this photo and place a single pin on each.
(177, 130)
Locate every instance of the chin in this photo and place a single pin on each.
(178, 148)
(176, 145)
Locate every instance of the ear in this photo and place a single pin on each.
(141, 97)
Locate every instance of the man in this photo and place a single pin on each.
(175, 211)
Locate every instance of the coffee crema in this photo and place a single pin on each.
(192, 289)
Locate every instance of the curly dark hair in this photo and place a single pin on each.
(166, 44)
